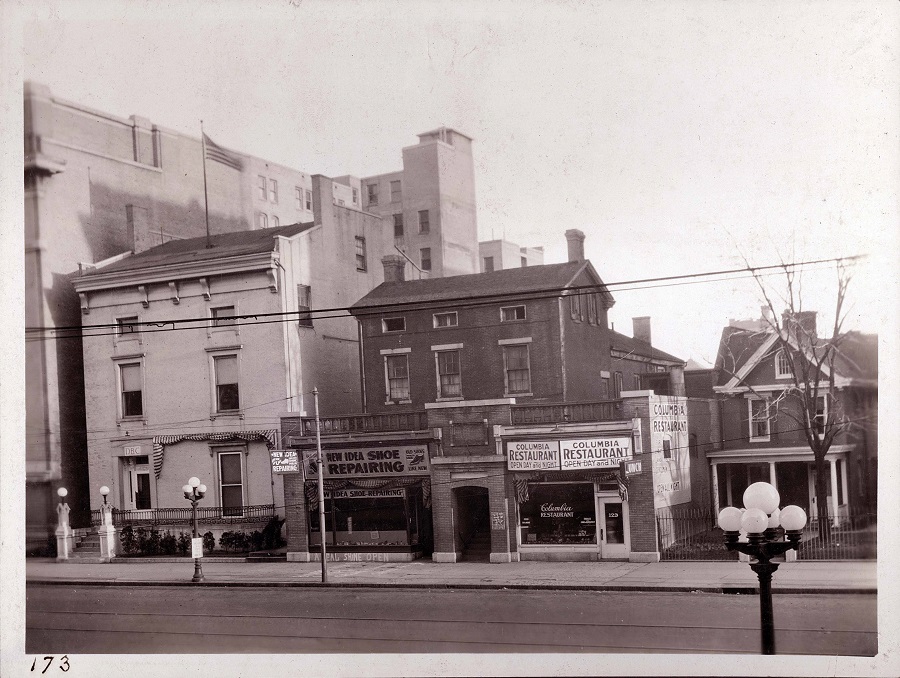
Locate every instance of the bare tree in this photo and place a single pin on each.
(810, 397)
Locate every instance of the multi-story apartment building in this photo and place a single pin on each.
(94, 182)
(430, 204)
(496, 255)
(486, 430)
(762, 432)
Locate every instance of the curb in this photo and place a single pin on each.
(729, 590)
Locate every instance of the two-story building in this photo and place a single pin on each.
(762, 432)
(485, 413)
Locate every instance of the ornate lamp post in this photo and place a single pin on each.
(63, 531)
(760, 522)
(106, 531)
(194, 492)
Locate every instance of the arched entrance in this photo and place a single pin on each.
(473, 528)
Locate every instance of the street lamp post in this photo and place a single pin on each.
(194, 492)
(760, 521)
(106, 531)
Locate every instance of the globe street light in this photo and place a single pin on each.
(760, 522)
(194, 492)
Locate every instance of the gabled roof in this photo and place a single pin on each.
(513, 283)
(638, 347)
(856, 358)
(189, 250)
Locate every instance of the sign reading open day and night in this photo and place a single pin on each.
(568, 455)
(393, 460)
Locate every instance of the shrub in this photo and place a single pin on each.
(128, 540)
(184, 543)
(272, 533)
(256, 540)
(153, 542)
(233, 541)
(168, 545)
(209, 542)
(141, 535)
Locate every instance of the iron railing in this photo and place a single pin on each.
(557, 413)
(692, 534)
(208, 515)
(365, 423)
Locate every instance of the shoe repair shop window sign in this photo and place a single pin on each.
(568, 455)
(396, 460)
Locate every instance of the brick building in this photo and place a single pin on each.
(498, 378)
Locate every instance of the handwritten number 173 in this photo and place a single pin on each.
(63, 663)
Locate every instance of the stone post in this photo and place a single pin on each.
(107, 533)
(64, 538)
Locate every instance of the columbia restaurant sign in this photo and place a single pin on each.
(568, 455)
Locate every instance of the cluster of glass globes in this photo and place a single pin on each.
(761, 513)
(193, 483)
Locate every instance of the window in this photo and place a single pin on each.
(308, 201)
(425, 256)
(449, 379)
(298, 197)
(262, 221)
(355, 196)
(261, 186)
(227, 392)
(604, 388)
(575, 307)
(372, 193)
(222, 316)
(636, 379)
(360, 254)
(304, 300)
(127, 326)
(132, 391)
(397, 367)
(559, 513)
(592, 308)
(393, 324)
(618, 385)
(273, 190)
(340, 202)
(398, 225)
(395, 191)
(782, 366)
(489, 264)
(667, 448)
(275, 222)
(424, 225)
(448, 319)
(517, 369)
(511, 313)
(820, 419)
(523, 262)
(759, 419)
(231, 485)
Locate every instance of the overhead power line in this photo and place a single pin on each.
(172, 324)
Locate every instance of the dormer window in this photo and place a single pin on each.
(449, 319)
(393, 324)
(782, 366)
(512, 313)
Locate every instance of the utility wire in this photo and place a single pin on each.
(479, 299)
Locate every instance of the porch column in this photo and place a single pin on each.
(834, 494)
(772, 475)
(728, 484)
(715, 489)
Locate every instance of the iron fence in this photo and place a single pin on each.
(363, 423)
(692, 534)
(208, 515)
(558, 413)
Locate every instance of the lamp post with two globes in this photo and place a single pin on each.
(760, 521)
(194, 492)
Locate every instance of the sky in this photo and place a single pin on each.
(680, 137)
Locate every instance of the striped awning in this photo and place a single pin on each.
(161, 442)
(312, 488)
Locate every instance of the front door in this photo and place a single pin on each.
(137, 484)
(612, 531)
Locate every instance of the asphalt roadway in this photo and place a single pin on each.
(67, 618)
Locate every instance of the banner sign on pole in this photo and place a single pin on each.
(197, 547)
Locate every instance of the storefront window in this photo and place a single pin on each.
(559, 513)
(362, 518)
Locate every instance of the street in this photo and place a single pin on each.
(162, 619)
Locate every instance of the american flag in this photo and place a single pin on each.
(219, 154)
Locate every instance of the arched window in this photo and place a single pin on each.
(782, 366)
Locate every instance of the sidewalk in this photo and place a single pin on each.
(704, 576)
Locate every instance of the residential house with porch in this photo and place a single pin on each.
(762, 440)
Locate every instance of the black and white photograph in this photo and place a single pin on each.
(401, 338)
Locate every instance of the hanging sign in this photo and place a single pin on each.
(633, 467)
(285, 461)
(197, 547)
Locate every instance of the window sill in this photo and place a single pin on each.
(766, 439)
(449, 399)
(234, 414)
(398, 402)
(132, 420)
(518, 395)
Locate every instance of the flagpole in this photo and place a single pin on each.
(205, 194)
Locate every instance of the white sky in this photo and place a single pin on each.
(677, 136)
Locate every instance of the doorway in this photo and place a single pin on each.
(613, 531)
(473, 528)
(136, 482)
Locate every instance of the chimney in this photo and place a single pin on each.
(575, 240)
(767, 316)
(394, 268)
(806, 321)
(138, 224)
(642, 328)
